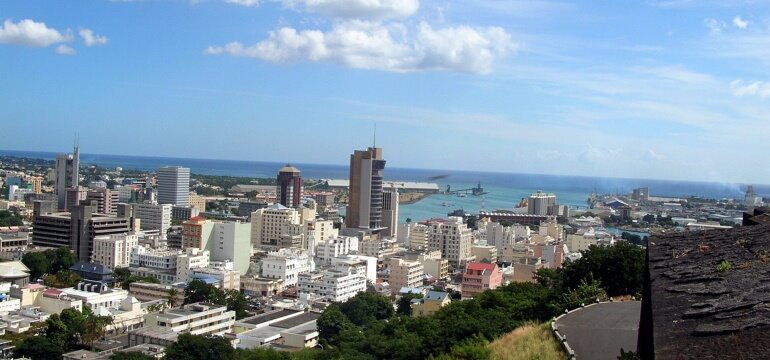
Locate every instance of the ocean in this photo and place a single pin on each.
(504, 190)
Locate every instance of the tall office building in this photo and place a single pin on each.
(174, 185)
(390, 213)
(67, 175)
(365, 198)
(289, 186)
(541, 203)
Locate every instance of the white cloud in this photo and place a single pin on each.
(92, 39)
(756, 88)
(369, 45)
(714, 25)
(244, 2)
(31, 33)
(740, 23)
(356, 9)
(65, 50)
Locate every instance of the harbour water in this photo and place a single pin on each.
(504, 190)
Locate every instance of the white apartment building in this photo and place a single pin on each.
(337, 284)
(168, 266)
(154, 217)
(332, 247)
(222, 272)
(113, 250)
(268, 225)
(287, 264)
(453, 238)
(379, 248)
(96, 296)
(403, 273)
(502, 236)
(196, 319)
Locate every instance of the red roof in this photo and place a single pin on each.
(481, 266)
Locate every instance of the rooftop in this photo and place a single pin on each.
(708, 295)
(269, 316)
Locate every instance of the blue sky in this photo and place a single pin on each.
(673, 89)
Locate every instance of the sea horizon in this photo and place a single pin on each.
(504, 190)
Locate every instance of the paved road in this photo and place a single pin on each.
(598, 332)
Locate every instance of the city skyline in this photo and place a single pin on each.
(660, 89)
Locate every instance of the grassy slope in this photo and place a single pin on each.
(528, 342)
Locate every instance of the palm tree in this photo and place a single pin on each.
(172, 293)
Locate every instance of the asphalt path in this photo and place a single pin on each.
(599, 331)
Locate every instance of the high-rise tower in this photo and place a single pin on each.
(67, 174)
(289, 186)
(365, 198)
(174, 185)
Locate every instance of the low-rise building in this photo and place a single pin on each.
(337, 284)
(196, 319)
(479, 277)
(286, 264)
(430, 303)
(403, 273)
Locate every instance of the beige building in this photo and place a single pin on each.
(151, 292)
(268, 225)
(418, 236)
(434, 265)
(260, 286)
(403, 273)
(454, 239)
(430, 303)
(113, 250)
(482, 252)
(197, 202)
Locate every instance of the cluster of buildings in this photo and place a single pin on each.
(287, 249)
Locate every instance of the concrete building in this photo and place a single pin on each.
(326, 250)
(224, 240)
(479, 277)
(289, 189)
(482, 252)
(153, 217)
(150, 292)
(168, 266)
(184, 213)
(220, 272)
(430, 303)
(67, 175)
(287, 264)
(418, 236)
(86, 224)
(174, 185)
(197, 319)
(453, 238)
(37, 184)
(106, 200)
(197, 202)
(337, 284)
(285, 329)
(541, 203)
(434, 265)
(365, 196)
(114, 250)
(403, 273)
(270, 224)
(390, 213)
(73, 196)
(320, 229)
(324, 199)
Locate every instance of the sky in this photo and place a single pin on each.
(662, 89)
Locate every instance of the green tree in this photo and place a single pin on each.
(235, 301)
(171, 298)
(367, 307)
(619, 268)
(38, 348)
(586, 293)
(331, 324)
(62, 279)
(120, 274)
(37, 263)
(94, 328)
(196, 347)
(196, 291)
(405, 304)
(9, 219)
(61, 259)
